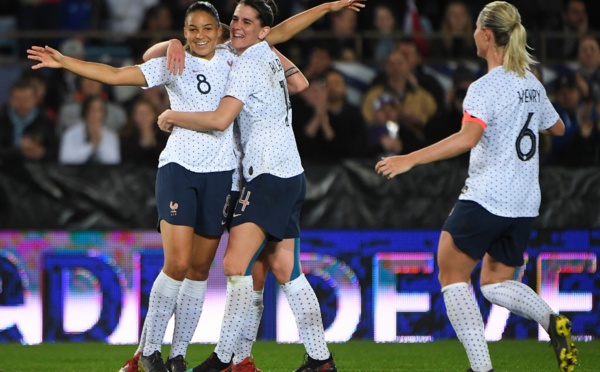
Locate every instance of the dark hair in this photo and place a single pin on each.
(87, 103)
(226, 32)
(266, 10)
(203, 6)
(22, 84)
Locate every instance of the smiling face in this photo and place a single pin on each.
(202, 33)
(246, 28)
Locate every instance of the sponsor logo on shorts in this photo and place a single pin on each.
(237, 214)
(173, 207)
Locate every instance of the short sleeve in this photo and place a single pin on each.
(156, 73)
(477, 104)
(241, 82)
(549, 114)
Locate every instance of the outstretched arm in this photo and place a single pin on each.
(458, 143)
(293, 25)
(52, 58)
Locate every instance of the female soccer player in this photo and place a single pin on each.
(503, 113)
(274, 186)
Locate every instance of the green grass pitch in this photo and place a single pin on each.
(353, 356)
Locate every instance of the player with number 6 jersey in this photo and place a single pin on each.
(504, 113)
(503, 167)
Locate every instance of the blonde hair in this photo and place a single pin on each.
(504, 20)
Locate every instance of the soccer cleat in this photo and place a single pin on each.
(152, 363)
(246, 365)
(132, 364)
(561, 342)
(212, 364)
(313, 365)
(177, 364)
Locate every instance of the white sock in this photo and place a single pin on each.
(237, 303)
(163, 297)
(305, 306)
(142, 342)
(243, 348)
(187, 314)
(465, 317)
(519, 299)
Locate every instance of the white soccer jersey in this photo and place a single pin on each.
(257, 79)
(504, 166)
(199, 88)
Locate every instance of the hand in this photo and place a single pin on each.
(164, 123)
(48, 57)
(31, 149)
(393, 166)
(175, 57)
(355, 5)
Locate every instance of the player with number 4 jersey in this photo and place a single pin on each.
(504, 113)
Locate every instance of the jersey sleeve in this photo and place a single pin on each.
(477, 106)
(241, 83)
(548, 112)
(156, 73)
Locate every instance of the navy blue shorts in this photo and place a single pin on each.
(272, 203)
(232, 199)
(476, 232)
(198, 200)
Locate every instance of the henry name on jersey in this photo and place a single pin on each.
(529, 95)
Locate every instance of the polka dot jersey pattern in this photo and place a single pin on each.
(257, 79)
(199, 88)
(504, 165)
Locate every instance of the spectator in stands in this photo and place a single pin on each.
(332, 128)
(141, 140)
(70, 112)
(90, 140)
(343, 27)
(588, 74)
(448, 120)
(385, 25)
(47, 89)
(567, 102)
(583, 146)
(430, 83)
(383, 133)
(159, 22)
(26, 132)
(575, 24)
(126, 16)
(417, 106)
(456, 33)
(320, 61)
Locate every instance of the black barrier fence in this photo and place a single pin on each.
(349, 195)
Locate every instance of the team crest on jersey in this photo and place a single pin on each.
(173, 207)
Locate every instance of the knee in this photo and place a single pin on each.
(176, 268)
(198, 272)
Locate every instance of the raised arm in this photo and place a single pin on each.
(293, 25)
(296, 81)
(52, 58)
(220, 119)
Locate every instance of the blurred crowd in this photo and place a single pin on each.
(388, 80)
